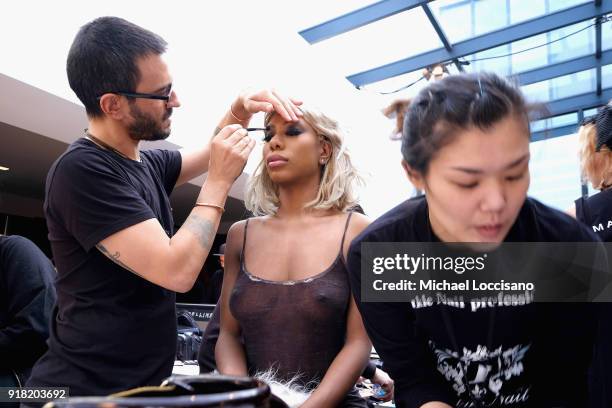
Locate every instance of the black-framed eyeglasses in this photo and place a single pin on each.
(165, 98)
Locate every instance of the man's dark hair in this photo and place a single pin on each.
(103, 57)
(455, 103)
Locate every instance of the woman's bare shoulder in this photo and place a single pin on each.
(358, 223)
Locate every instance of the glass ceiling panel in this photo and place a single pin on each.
(577, 45)
(554, 122)
(483, 16)
(590, 112)
(556, 5)
(485, 61)
(535, 58)
(606, 76)
(388, 40)
(606, 35)
(561, 87)
(522, 10)
(449, 13)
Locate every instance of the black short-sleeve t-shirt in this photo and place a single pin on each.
(111, 329)
(533, 355)
(596, 212)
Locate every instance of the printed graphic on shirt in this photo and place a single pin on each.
(485, 378)
(601, 227)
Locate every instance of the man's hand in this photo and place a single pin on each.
(250, 102)
(229, 152)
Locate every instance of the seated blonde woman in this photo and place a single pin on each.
(285, 290)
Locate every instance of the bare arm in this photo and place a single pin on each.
(174, 263)
(195, 162)
(346, 367)
(229, 351)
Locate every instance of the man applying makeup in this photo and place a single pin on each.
(110, 223)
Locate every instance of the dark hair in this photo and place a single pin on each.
(454, 103)
(103, 57)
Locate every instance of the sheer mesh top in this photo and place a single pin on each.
(296, 327)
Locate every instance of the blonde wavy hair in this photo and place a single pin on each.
(596, 166)
(338, 176)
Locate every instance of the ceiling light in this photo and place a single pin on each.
(2, 168)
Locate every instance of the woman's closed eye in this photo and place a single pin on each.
(516, 177)
(510, 178)
(293, 131)
(289, 131)
(467, 185)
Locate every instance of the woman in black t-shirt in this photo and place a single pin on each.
(595, 136)
(466, 145)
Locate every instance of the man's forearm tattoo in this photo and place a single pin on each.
(202, 228)
(115, 258)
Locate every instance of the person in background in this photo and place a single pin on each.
(27, 297)
(207, 287)
(595, 138)
(216, 280)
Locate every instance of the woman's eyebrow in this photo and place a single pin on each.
(471, 170)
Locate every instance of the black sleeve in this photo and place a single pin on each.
(29, 295)
(167, 164)
(601, 375)
(369, 370)
(206, 355)
(391, 329)
(93, 199)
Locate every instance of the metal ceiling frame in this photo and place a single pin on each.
(564, 68)
(358, 18)
(449, 52)
(436, 25)
(484, 42)
(453, 52)
(577, 102)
